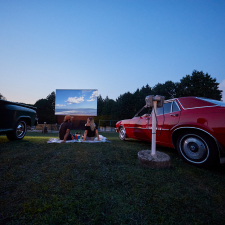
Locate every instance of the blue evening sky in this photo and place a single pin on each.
(114, 46)
(71, 99)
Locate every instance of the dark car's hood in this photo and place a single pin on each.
(4, 102)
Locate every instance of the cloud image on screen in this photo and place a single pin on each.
(76, 102)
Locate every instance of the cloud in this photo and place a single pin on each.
(91, 100)
(74, 100)
(222, 88)
(93, 97)
(58, 105)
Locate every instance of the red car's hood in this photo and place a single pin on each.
(126, 121)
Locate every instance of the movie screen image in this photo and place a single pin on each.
(76, 102)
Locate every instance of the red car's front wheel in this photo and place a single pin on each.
(122, 134)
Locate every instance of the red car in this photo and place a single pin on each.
(194, 126)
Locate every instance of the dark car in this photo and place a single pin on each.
(194, 126)
(14, 119)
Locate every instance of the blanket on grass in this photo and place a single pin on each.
(57, 140)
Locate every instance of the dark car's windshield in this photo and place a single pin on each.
(213, 101)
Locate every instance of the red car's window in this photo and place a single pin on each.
(166, 107)
(175, 107)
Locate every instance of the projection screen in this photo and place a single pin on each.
(79, 102)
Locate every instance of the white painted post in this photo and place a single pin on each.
(154, 128)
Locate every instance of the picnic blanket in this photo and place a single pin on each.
(57, 140)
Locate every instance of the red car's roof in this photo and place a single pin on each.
(193, 102)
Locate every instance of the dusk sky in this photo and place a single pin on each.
(114, 46)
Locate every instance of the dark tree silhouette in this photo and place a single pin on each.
(2, 97)
(127, 104)
(100, 104)
(46, 109)
(200, 85)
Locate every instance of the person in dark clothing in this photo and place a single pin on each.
(64, 130)
(90, 130)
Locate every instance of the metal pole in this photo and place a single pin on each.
(99, 125)
(154, 128)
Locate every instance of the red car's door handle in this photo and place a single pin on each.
(174, 115)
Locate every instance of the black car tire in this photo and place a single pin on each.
(122, 134)
(197, 148)
(19, 131)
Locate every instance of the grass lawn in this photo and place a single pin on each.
(102, 183)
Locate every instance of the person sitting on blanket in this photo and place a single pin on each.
(90, 130)
(64, 129)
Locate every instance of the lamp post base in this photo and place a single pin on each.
(159, 160)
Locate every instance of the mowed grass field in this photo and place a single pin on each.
(102, 183)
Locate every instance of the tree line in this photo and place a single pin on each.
(126, 105)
